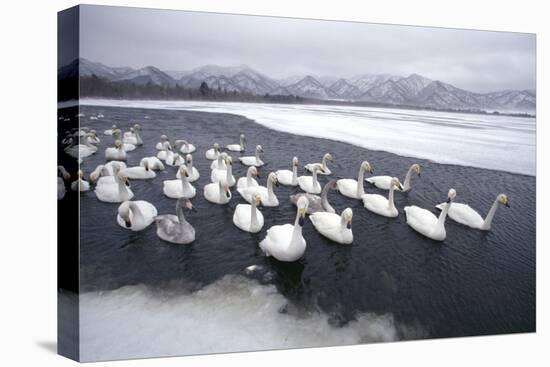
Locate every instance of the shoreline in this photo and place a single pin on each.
(372, 128)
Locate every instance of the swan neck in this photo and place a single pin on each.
(179, 213)
(390, 197)
(294, 174)
(360, 178)
(443, 215)
(242, 143)
(270, 192)
(297, 231)
(314, 175)
(324, 200)
(324, 163)
(407, 182)
(253, 215)
(229, 173)
(183, 180)
(136, 212)
(489, 218)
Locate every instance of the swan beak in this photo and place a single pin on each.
(348, 226)
(186, 174)
(448, 200)
(400, 186)
(418, 173)
(147, 167)
(227, 193)
(126, 181)
(127, 223)
(276, 182)
(507, 205)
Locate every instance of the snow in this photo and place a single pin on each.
(486, 141)
(229, 315)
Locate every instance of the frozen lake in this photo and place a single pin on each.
(502, 143)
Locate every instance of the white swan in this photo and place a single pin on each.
(134, 137)
(287, 177)
(61, 190)
(109, 132)
(217, 193)
(163, 144)
(248, 181)
(285, 242)
(213, 153)
(127, 147)
(219, 163)
(323, 164)
(225, 175)
(354, 188)
(174, 159)
(384, 182)
(136, 215)
(81, 150)
(139, 172)
(92, 138)
(80, 184)
(309, 183)
(106, 170)
(194, 174)
(333, 226)
(380, 205)
(175, 228)
(253, 160)
(464, 214)
(153, 162)
(238, 147)
(179, 188)
(186, 148)
(317, 203)
(116, 192)
(426, 223)
(266, 193)
(115, 153)
(247, 216)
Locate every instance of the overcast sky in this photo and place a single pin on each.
(479, 61)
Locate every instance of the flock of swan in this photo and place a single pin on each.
(284, 242)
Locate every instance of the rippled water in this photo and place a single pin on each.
(473, 283)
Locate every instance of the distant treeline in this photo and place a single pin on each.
(93, 86)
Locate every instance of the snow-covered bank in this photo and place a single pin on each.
(232, 314)
(494, 142)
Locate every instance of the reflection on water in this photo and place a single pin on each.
(473, 283)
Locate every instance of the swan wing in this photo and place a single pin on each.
(347, 187)
(381, 182)
(424, 221)
(284, 176)
(464, 214)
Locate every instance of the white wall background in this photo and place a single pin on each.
(28, 203)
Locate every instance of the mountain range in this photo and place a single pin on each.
(413, 90)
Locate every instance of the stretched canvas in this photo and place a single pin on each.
(233, 183)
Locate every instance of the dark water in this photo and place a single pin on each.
(471, 284)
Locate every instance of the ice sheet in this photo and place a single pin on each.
(486, 141)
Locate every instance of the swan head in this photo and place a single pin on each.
(189, 158)
(124, 212)
(118, 143)
(295, 162)
(366, 167)
(258, 200)
(113, 127)
(327, 157)
(146, 165)
(186, 203)
(451, 195)
(163, 138)
(137, 126)
(184, 172)
(302, 205)
(259, 149)
(273, 178)
(228, 160)
(64, 173)
(416, 168)
(347, 216)
(503, 199)
(242, 137)
(80, 174)
(216, 147)
(396, 183)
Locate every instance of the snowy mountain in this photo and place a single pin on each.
(345, 90)
(309, 87)
(148, 74)
(413, 90)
